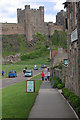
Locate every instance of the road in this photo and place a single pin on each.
(20, 77)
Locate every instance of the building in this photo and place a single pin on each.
(73, 46)
(30, 21)
(60, 18)
(57, 56)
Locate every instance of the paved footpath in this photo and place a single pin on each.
(50, 104)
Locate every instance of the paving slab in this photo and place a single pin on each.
(50, 104)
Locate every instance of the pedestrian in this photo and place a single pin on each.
(3, 72)
(24, 71)
(48, 74)
(42, 75)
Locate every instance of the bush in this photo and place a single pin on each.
(59, 86)
(78, 109)
(54, 85)
(76, 102)
(67, 93)
(58, 82)
(63, 84)
(74, 99)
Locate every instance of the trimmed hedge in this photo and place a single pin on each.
(74, 99)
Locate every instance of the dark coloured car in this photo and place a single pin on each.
(43, 66)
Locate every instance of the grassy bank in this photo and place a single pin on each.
(16, 103)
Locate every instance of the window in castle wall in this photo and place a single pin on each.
(66, 21)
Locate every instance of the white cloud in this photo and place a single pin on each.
(59, 6)
(49, 18)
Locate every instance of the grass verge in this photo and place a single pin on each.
(16, 103)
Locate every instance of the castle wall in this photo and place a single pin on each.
(60, 28)
(12, 28)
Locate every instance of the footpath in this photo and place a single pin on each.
(50, 104)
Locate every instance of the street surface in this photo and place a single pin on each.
(20, 77)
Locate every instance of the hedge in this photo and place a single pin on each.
(74, 99)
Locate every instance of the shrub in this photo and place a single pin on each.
(76, 102)
(58, 80)
(66, 92)
(63, 84)
(74, 99)
(54, 85)
(78, 109)
(59, 86)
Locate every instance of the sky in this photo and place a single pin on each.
(8, 9)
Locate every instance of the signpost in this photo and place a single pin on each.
(30, 86)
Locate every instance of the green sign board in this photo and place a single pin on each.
(30, 86)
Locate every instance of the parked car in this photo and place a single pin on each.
(43, 66)
(28, 73)
(35, 68)
(12, 74)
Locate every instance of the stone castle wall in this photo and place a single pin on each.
(30, 21)
(12, 28)
(60, 18)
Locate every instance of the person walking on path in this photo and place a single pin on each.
(42, 75)
(48, 74)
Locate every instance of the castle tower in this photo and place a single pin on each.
(28, 25)
(18, 15)
(41, 8)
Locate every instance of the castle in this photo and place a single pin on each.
(31, 21)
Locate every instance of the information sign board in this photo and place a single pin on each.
(30, 86)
